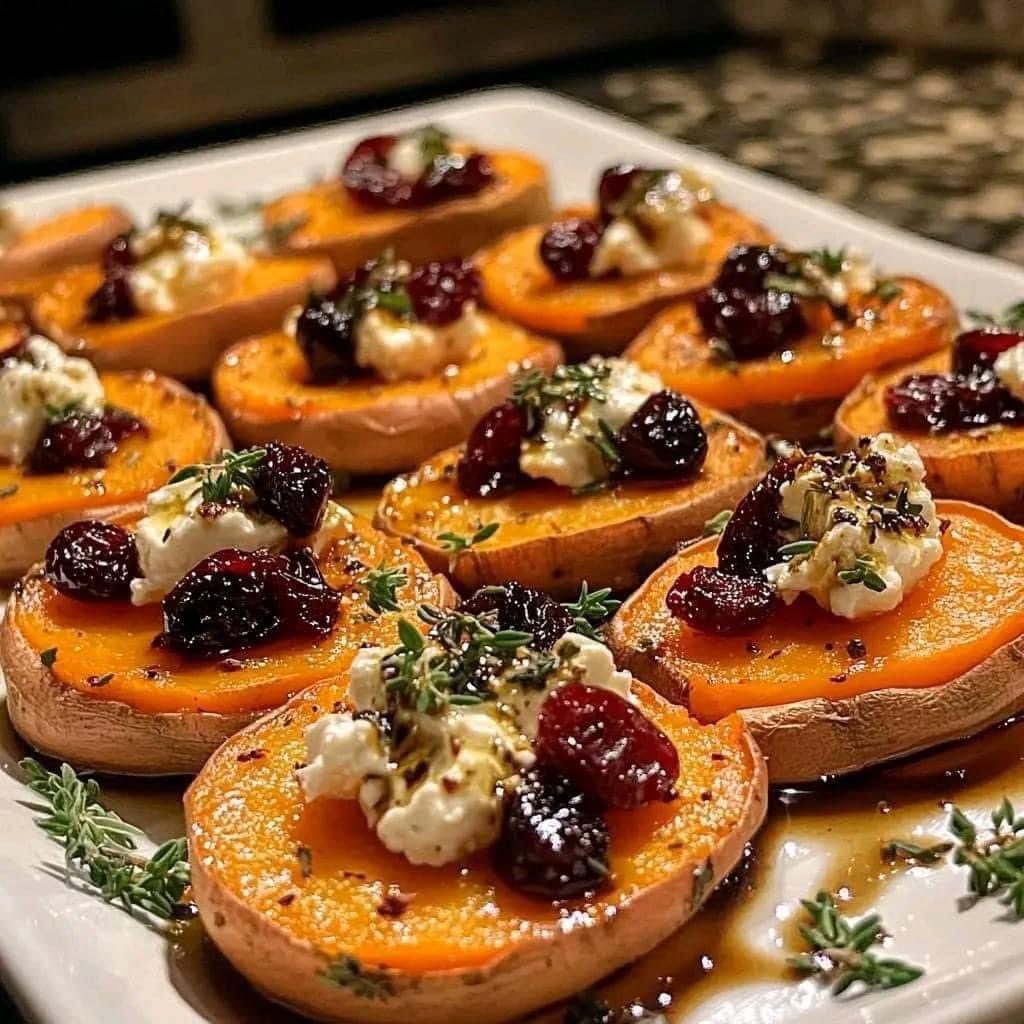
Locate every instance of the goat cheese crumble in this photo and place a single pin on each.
(866, 529)
(567, 448)
(34, 383)
(431, 783)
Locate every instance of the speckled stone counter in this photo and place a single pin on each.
(935, 146)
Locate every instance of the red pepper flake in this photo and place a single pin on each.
(305, 855)
(841, 678)
(154, 672)
(395, 903)
(230, 665)
(856, 648)
(98, 681)
(753, 648)
(944, 525)
(775, 654)
(288, 899)
(251, 755)
(830, 646)
(717, 755)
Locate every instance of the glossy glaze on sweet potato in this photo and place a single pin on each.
(368, 424)
(552, 539)
(984, 465)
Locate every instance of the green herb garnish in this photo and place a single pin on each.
(913, 853)
(454, 543)
(995, 858)
(573, 385)
(797, 548)
(219, 479)
(1012, 317)
(886, 290)
(864, 571)
(382, 585)
(716, 525)
(605, 441)
(591, 608)
(434, 143)
(348, 972)
(840, 950)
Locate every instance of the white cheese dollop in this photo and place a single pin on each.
(179, 530)
(399, 349)
(564, 451)
(406, 156)
(857, 275)
(842, 504)
(1009, 368)
(43, 379)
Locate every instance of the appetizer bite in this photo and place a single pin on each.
(848, 617)
(171, 298)
(75, 444)
(139, 647)
(593, 472)
(598, 275)
(424, 194)
(391, 366)
(779, 337)
(76, 236)
(469, 826)
(962, 409)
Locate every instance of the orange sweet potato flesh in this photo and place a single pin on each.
(966, 608)
(985, 465)
(268, 378)
(248, 817)
(180, 433)
(675, 346)
(93, 639)
(519, 286)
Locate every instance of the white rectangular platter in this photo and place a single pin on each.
(70, 959)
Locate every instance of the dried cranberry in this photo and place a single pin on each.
(522, 608)
(663, 438)
(453, 175)
(325, 332)
(608, 747)
(554, 840)
(439, 291)
(751, 324)
(113, 299)
(751, 540)
(936, 403)
(92, 561)
(293, 486)
(221, 605)
(974, 352)
(746, 267)
(81, 439)
(568, 246)
(305, 601)
(490, 461)
(612, 190)
(712, 601)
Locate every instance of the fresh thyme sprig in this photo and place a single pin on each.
(1011, 317)
(592, 608)
(886, 290)
(571, 384)
(995, 857)
(434, 143)
(382, 585)
(219, 479)
(840, 950)
(864, 571)
(606, 443)
(102, 846)
(454, 543)
(716, 525)
(914, 853)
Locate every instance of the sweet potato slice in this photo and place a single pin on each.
(985, 465)
(184, 345)
(795, 393)
(551, 539)
(109, 700)
(467, 950)
(331, 223)
(182, 429)
(67, 239)
(600, 316)
(369, 425)
(943, 665)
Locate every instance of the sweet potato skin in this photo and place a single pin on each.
(599, 316)
(280, 943)
(332, 224)
(185, 345)
(370, 426)
(552, 540)
(856, 716)
(985, 465)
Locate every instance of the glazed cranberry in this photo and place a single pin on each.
(325, 334)
(82, 440)
(663, 439)
(608, 747)
(490, 461)
(613, 188)
(746, 267)
(223, 604)
(93, 561)
(113, 300)
(712, 601)
(554, 840)
(568, 246)
(937, 403)
(439, 291)
(751, 540)
(974, 352)
(752, 324)
(522, 608)
(293, 486)
(304, 600)
(453, 175)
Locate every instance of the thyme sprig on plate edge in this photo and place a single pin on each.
(101, 847)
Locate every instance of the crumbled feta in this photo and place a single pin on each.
(564, 448)
(406, 156)
(663, 231)
(870, 526)
(31, 385)
(180, 529)
(856, 275)
(399, 349)
(1009, 368)
(343, 752)
(199, 269)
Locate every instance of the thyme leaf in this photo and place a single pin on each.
(865, 572)
(591, 608)
(716, 525)
(348, 971)
(913, 853)
(454, 543)
(382, 585)
(995, 857)
(218, 479)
